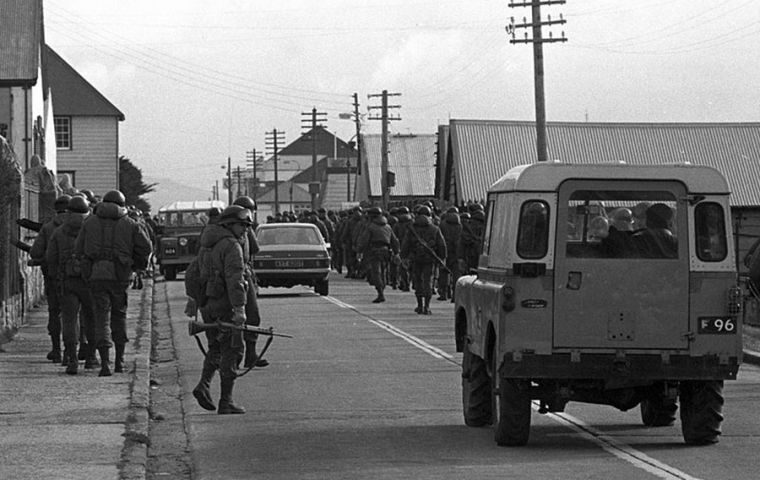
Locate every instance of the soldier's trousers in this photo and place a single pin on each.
(52, 292)
(225, 347)
(77, 297)
(422, 279)
(110, 299)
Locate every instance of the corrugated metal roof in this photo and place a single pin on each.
(483, 151)
(193, 205)
(72, 94)
(410, 157)
(20, 41)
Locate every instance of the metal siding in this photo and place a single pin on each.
(410, 157)
(20, 40)
(485, 150)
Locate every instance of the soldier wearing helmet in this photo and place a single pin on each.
(451, 229)
(114, 246)
(424, 247)
(75, 294)
(378, 244)
(253, 317)
(471, 239)
(221, 265)
(353, 224)
(400, 229)
(37, 258)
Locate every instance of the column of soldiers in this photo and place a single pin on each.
(89, 253)
(405, 249)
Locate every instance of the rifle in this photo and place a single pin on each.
(429, 249)
(195, 327)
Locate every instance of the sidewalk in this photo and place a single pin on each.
(59, 426)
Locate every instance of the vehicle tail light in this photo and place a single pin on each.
(508, 298)
(734, 301)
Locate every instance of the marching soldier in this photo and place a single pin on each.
(424, 247)
(451, 229)
(37, 254)
(114, 246)
(400, 229)
(378, 243)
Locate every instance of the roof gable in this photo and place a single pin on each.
(21, 36)
(72, 94)
(410, 157)
(483, 151)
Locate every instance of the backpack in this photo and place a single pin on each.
(76, 266)
(195, 283)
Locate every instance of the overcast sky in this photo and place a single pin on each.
(199, 81)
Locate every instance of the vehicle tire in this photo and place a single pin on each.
(511, 411)
(476, 390)
(170, 273)
(701, 411)
(322, 287)
(657, 410)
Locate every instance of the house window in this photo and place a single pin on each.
(62, 132)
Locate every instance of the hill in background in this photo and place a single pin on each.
(168, 191)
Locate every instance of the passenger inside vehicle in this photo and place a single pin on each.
(657, 239)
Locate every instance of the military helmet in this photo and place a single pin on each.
(245, 202)
(375, 211)
(115, 196)
(403, 210)
(78, 204)
(61, 203)
(88, 194)
(235, 214)
(424, 210)
(214, 212)
(452, 210)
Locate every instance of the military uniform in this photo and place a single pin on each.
(378, 243)
(400, 229)
(451, 229)
(422, 244)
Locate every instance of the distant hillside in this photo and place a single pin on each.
(168, 191)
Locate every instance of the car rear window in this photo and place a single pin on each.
(288, 236)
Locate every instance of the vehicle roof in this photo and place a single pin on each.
(547, 176)
(288, 225)
(190, 206)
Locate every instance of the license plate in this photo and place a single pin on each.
(170, 251)
(288, 263)
(717, 325)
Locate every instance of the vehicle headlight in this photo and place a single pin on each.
(183, 242)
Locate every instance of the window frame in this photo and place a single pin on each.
(63, 137)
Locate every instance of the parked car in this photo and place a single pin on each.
(292, 254)
(180, 225)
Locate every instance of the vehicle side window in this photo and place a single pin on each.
(711, 232)
(533, 232)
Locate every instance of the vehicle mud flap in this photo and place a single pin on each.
(657, 410)
(511, 410)
(701, 411)
(476, 390)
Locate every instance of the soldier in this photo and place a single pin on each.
(451, 229)
(73, 289)
(114, 246)
(338, 255)
(222, 268)
(253, 317)
(352, 263)
(400, 229)
(37, 254)
(472, 239)
(378, 243)
(423, 246)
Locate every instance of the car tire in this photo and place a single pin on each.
(701, 411)
(476, 390)
(170, 273)
(657, 410)
(322, 287)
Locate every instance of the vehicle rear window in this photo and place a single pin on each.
(622, 224)
(710, 226)
(533, 233)
(288, 236)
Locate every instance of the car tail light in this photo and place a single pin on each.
(734, 301)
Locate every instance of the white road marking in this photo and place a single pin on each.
(611, 445)
(619, 449)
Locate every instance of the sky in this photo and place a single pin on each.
(201, 81)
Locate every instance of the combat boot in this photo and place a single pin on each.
(91, 360)
(118, 363)
(226, 405)
(202, 392)
(105, 366)
(65, 357)
(419, 304)
(83, 349)
(55, 354)
(72, 363)
(426, 307)
(380, 297)
(251, 358)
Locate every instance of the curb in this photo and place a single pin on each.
(134, 454)
(751, 357)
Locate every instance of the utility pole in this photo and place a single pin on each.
(254, 162)
(385, 118)
(358, 136)
(272, 139)
(316, 119)
(538, 60)
(229, 181)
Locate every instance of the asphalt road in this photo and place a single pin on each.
(369, 391)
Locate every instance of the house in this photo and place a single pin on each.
(412, 158)
(479, 152)
(86, 128)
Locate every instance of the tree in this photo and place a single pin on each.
(132, 186)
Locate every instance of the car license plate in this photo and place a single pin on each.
(288, 263)
(717, 325)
